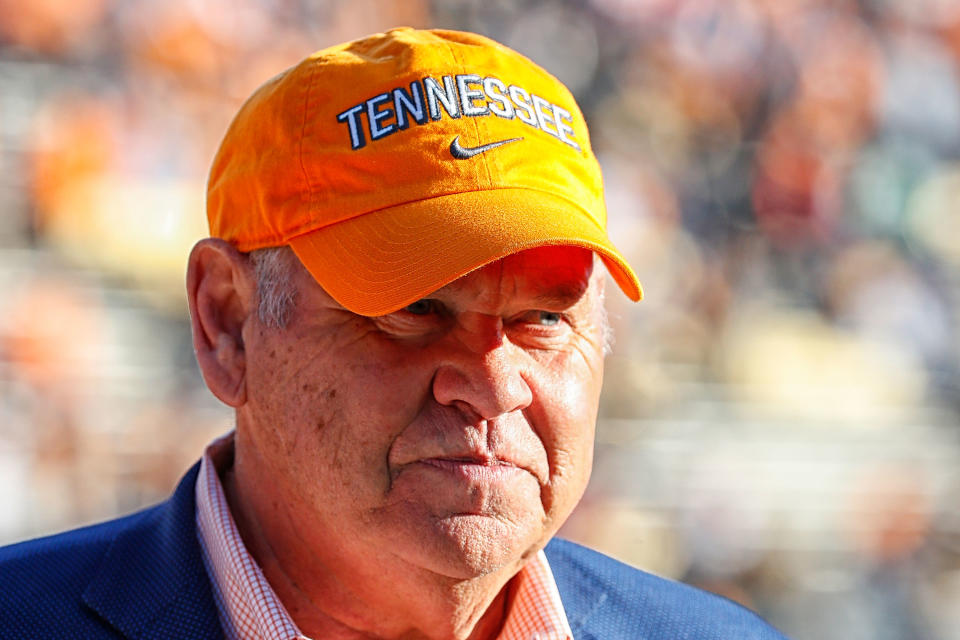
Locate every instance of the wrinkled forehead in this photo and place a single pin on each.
(553, 276)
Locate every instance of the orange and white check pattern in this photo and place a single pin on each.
(250, 610)
(247, 604)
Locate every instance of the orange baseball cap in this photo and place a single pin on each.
(395, 164)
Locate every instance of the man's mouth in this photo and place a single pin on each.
(469, 468)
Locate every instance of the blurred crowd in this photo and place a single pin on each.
(781, 420)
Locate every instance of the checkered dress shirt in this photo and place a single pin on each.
(250, 610)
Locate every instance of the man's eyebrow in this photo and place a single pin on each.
(565, 295)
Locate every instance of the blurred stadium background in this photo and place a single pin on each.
(781, 421)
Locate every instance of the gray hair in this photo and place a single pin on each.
(609, 339)
(276, 293)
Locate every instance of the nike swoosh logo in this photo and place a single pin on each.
(460, 152)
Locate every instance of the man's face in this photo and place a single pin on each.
(455, 435)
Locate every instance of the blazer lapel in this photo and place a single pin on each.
(153, 583)
(581, 592)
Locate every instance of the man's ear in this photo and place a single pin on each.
(221, 290)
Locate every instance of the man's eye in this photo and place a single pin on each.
(421, 307)
(542, 318)
(549, 318)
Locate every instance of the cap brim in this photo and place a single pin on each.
(379, 262)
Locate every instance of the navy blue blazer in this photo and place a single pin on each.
(142, 576)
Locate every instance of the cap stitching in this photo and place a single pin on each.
(476, 126)
(302, 231)
(303, 134)
(308, 228)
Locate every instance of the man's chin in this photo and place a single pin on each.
(467, 546)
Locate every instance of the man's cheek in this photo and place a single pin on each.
(565, 408)
(395, 394)
(568, 481)
(565, 420)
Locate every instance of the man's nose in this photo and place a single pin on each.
(482, 369)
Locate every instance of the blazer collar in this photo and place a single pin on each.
(153, 583)
(581, 592)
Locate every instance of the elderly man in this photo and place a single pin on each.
(402, 298)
